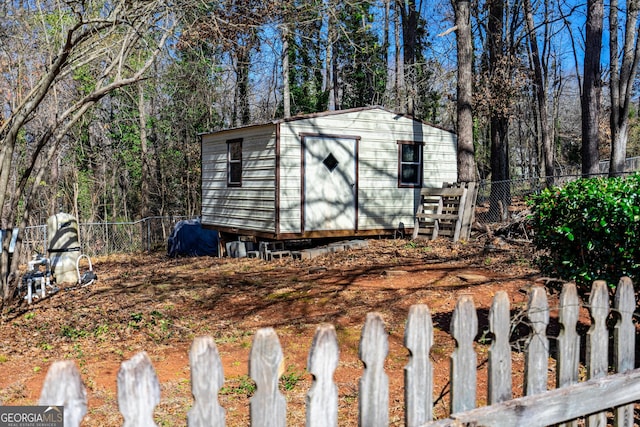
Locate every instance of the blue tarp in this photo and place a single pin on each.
(190, 239)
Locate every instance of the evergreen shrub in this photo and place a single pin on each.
(589, 230)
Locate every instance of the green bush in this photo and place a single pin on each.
(589, 230)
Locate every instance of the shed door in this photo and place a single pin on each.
(330, 187)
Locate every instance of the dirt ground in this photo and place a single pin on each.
(148, 302)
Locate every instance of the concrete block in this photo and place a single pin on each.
(336, 247)
(236, 249)
(312, 253)
(357, 244)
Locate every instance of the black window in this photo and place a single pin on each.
(234, 163)
(409, 164)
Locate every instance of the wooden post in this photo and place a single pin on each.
(436, 222)
(461, 209)
(469, 210)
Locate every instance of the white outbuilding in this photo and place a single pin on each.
(344, 173)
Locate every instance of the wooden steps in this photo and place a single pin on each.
(446, 211)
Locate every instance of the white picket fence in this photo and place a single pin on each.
(139, 389)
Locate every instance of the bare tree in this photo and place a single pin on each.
(540, 87)
(622, 76)
(105, 37)
(286, 91)
(145, 158)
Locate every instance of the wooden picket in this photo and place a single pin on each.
(499, 386)
(418, 374)
(268, 405)
(568, 359)
(322, 399)
(373, 401)
(139, 389)
(207, 379)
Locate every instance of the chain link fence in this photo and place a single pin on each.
(104, 238)
(498, 201)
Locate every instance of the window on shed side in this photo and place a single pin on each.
(234, 163)
(409, 164)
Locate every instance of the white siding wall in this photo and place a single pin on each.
(381, 203)
(251, 206)
(290, 182)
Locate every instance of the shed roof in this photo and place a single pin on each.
(324, 114)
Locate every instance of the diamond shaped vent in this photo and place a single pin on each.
(330, 162)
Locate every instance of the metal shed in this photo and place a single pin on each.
(344, 173)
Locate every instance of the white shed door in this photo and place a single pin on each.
(329, 183)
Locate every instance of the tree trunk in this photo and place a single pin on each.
(500, 176)
(399, 69)
(5, 262)
(386, 37)
(541, 96)
(499, 121)
(330, 79)
(286, 91)
(53, 179)
(466, 154)
(618, 152)
(409, 38)
(592, 87)
(241, 104)
(621, 81)
(145, 198)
